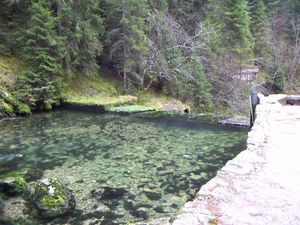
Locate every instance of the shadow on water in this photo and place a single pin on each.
(143, 168)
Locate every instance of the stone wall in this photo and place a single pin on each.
(206, 208)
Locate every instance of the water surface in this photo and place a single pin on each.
(159, 164)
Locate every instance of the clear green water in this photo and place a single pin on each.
(167, 158)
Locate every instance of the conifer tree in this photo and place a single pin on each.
(237, 27)
(258, 25)
(293, 17)
(41, 86)
(126, 38)
(215, 25)
(80, 25)
(230, 23)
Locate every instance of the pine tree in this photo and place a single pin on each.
(271, 6)
(12, 17)
(215, 25)
(237, 26)
(80, 25)
(41, 86)
(161, 5)
(258, 25)
(126, 39)
(230, 25)
(293, 17)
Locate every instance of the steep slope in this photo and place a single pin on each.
(10, 70)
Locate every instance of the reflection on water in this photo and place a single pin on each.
(148, 167)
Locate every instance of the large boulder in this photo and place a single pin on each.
(13, 185)
(53, 199)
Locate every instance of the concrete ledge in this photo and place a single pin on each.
(241, 122)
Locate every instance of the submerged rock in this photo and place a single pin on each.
(140, 213)
(152, 194)
(13, 185)
(106, 192)
(4, 158)
(53, 198)
(14, 209)
(100, 211)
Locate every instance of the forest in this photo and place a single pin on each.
(140, 112)
(188, 49)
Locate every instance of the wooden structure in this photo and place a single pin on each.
(247, 74)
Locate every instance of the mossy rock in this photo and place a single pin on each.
(13, 185)
(53, 199)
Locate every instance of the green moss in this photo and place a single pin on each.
(99, 85)
(53, 198)
(160, 101)
(13, 185)
(53, 201)
(131, 109)
(50, 193)
(102, 101)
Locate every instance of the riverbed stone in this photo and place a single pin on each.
(4, 158)
(152, 194)
(52, 198)
(140, 213)
(107, 192)
(13, 209)
(100, 211)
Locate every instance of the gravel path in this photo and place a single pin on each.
(261, 186)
